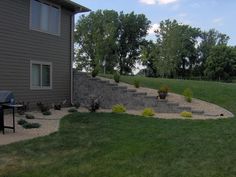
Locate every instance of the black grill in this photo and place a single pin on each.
(6, 97)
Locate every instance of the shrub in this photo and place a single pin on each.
(148, 112)
(95, 72)
(29, 116)
(72, 110)
(118, 108)
(164, 89)
(57, 107)
(188, 94)
(42, 107)
(47, 113)
(22, 122)
(136, 83)
(117, 77)
(31, 125)
(186, 114)
(93, 104)
(76, 105)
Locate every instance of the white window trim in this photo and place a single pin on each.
(38, 30)
(40, 87)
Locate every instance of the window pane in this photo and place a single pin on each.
(54, 20)
(35, 14)
(46, 75)
(36, 75)
(44, 17)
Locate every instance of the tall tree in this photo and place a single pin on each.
(209, 39)
(150, 53)
(178, 47)
(221, 63)
(95, 38)
(107, 35)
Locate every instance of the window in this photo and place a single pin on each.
(45, 17)
(41, 75)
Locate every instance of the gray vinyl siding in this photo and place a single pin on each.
(19, 45)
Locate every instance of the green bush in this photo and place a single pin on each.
(164, 89)
(72, 110)
(22, 122)
(47, 113)
(148, 112)
(188, 94)
(118, 108)
(186, 114)
(117, 77)
(31, 125)
(77, 105)
(95, 72)
(136, 83)
(29, 116)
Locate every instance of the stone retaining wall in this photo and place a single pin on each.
(111, 94)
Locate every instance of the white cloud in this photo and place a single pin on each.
(218, 21)
(149, 2)
(153, 28)
(167, 1)
(152, 2)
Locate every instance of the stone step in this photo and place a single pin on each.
(198, 112)
(112, 84)
(140, 94)
(104, 82)
(172, 104)
(185, 108)
(122, 87)
(93, 79)
(131, 90)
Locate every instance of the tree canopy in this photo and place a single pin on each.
(115, 38)
(117, 41)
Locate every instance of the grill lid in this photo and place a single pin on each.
(6, 96)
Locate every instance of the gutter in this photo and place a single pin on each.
(72, 58)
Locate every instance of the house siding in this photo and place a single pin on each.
(19, 45)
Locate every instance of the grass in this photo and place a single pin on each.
(223, 94)
(122, 145)
(115, 145)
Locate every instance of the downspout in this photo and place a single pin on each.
(72, 57)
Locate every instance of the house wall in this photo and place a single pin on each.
(19, 45)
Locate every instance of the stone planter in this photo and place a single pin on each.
(162, 95)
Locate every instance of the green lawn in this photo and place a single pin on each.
(223, 94)
(121, 145)
(116, 145)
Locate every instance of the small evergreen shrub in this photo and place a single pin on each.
(95, 72)
(29, 116)
(116, 77)
(186, 114)
(136, 83)
(188, 94)
(76, 105)
(148, 112)
(47, 113)
(93, 103)
(28, 125)
(31, 125)
(22, 122)
(164, 89)
(72, 110)
(57, 107)
(118, 108)
(42, 107)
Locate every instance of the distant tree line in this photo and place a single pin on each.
(117, 41)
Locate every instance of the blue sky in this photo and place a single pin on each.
(205, 14)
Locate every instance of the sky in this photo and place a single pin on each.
(204, 14)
